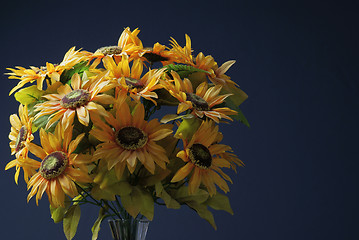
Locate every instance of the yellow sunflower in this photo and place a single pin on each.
(58, 169)
(78, 99)
(51, 72)
(204, 160)
(158, 53)
(129, 138)
(128, 44)
(21, 133)
(202, 102)
(182, 54)
(130, 78)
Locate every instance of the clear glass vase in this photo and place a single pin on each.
(129, 229)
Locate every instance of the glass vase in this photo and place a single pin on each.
(129, 229)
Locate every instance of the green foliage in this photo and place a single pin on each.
(220, 202)
(79, 68)
(183, 70)
(203, 212)
(168, 200)
(96, 227)
(58, 214)
(106, 185)
(139, 201)
(239, 116)
(71, 221)
(29, 95)
(188, 127)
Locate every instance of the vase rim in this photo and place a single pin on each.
(119, 220)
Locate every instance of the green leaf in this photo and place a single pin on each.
(29, 95)
(71, 221)
(220, 202)
(165, 98)
(58, 214)
(240, 116)
(151, 180)
(203, 212)
(170, 117)
(183, 70)
(98, 193)
(188, 127)
(96, 227)
(169, 201)
(132, 202)
(182, 195)
(147, 206)
(78, 68)
(197, 78)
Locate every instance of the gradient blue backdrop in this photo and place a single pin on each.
(297, 61)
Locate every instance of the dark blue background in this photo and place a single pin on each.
(297, 61)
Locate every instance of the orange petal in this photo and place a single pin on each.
(182, 172)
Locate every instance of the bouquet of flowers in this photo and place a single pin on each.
(97, 141)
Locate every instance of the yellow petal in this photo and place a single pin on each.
(182, 172)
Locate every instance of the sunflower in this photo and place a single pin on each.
(202, 102)
(128, 44)
(158, 53)
(182, 54)
(58, 169)
(21, 133)
(204, 160)
(78, 99)
(50, 72)
(130, 78)
(130, 138)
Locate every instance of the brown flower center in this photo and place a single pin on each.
(198, 103)
(53, 165)
(110, 50)
(131, 138)
(75, 99)
(21, 136)
(200, 156)
(133, 83)
(154, 57)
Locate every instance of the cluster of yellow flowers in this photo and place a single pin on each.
(100, 143)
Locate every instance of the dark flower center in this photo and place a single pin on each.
(154, 57)
(133, 83)
(21, 136)
(75, 99)
(197, 102)
(110, 50)
(200, 156)
(53, 165)
(131, 138)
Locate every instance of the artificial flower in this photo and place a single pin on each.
(158, 53)
(202, 102)
(58, 168)
(128, 137)
(202, 155)
(130, 79)
(50, 72)
(79, 99)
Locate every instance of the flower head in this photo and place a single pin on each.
(58, 169)
(204, 159)
(202, 102)
(128, 137)
(50, 72)
(158, 53)
(79, 99)
(130, 79)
